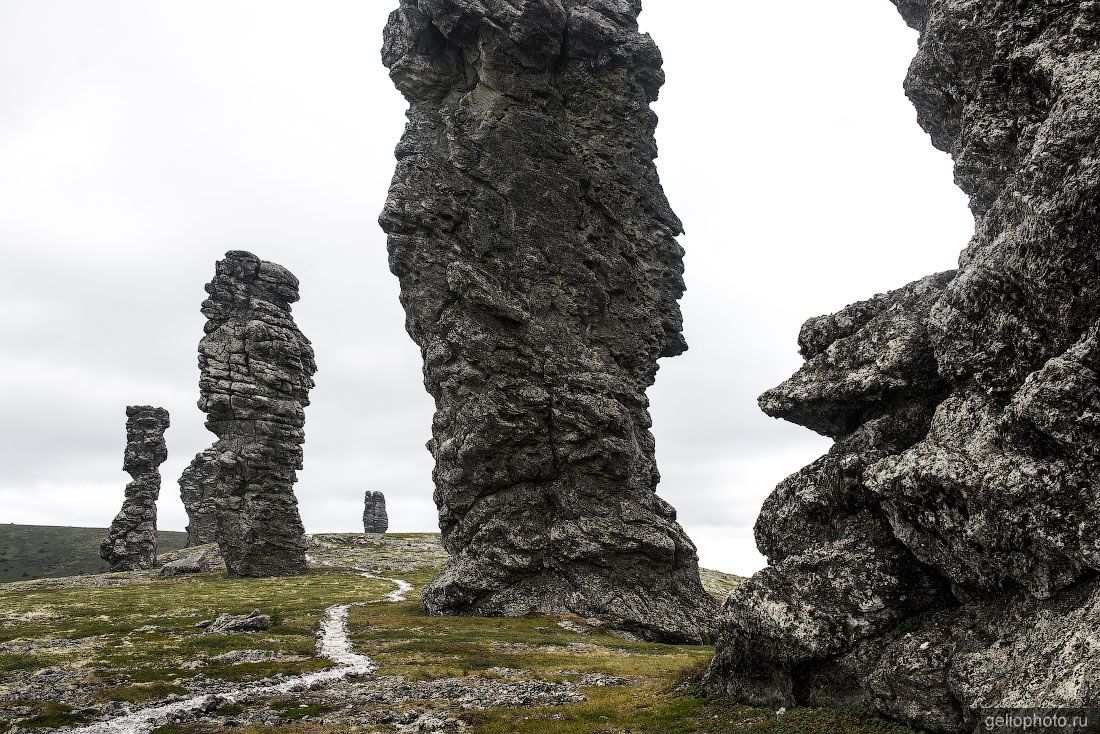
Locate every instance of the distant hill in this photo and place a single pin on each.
(45, 551)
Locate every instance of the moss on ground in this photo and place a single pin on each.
(136, 641)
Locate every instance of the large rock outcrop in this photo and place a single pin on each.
(540, 276)
(198, 485)
(256, 373)
(943, 557)
(375, 519)
(131, 542)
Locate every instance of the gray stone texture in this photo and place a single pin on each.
(943, 557)
(131, 542)
(240, 623)
(198, 483)
(375, 519)
(540, 276)
(256, 373)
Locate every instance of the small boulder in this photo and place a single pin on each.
(196, 563)
(228, 623)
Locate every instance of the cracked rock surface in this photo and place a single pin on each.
(198, 483)
(131, 542)
(943, 557)
(540, 276)
(375, 519)
(256, 373)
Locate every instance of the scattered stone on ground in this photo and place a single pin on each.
(194, 560)
(133, 627)
(225, 623)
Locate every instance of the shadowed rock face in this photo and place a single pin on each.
(375, 519)
(131, 541)
(540, 275)
(256, 373)
(943, 557)
(198, 485)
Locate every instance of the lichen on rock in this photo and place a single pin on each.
(943, 557)
(131, 542)
(540, 276)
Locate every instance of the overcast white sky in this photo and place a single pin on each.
(141, 139)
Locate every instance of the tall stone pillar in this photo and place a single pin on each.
(131, 542)
(540, 276)
(256, 373)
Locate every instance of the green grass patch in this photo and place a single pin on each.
(112, 660)
(51, 715)
(293, 711)
(12, 662)
(645, 710)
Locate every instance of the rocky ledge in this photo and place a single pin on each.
(942, 558)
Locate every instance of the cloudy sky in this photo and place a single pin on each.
(141, 139)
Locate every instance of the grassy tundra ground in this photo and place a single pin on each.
(79, 650)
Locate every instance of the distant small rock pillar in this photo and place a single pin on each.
(256, 373)
(375, 519)
(131, 542)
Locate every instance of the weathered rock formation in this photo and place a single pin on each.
(256, 373)
(197, 490)
(375, 519)
(192, 559)
(131, 542)
(540, 276)
(237, 623)
(943, 557)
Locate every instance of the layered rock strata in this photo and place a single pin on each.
(131, 542)
(540, 276)
(942, 559)
(375, 519)
(256, 373)
(197, 491)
